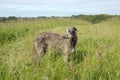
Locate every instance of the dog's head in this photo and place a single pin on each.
(71, 32)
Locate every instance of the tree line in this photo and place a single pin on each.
(90, 18)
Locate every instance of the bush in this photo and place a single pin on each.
(93, 18)
(12, 18)
(3, 19)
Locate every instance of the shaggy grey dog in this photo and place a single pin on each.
(64, 44)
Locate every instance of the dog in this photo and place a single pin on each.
(64, 44)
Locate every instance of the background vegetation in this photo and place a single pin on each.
(97, 56)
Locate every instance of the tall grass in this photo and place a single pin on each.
(97, 55)
(13, 30)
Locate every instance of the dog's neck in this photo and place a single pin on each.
(73, 41)
(70, 38)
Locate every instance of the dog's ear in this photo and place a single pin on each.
(75, 29)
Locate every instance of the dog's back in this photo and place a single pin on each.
(54, 40)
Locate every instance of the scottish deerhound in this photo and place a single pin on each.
(64, 44)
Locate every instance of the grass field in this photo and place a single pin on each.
(97, 54)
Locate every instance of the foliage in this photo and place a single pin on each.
(11, 34)
(91, 18)
(12, 18)
(94, 18)
(97, 55)
(3, 19)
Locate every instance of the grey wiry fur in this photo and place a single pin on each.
(64, 44)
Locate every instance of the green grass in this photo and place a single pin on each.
(97, 54)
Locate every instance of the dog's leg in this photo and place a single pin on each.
(66, 58)
(39, 54)
(67, 61)
(40, 51)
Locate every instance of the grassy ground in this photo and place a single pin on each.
(97, 56)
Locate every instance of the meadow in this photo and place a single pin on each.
(97, 55)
